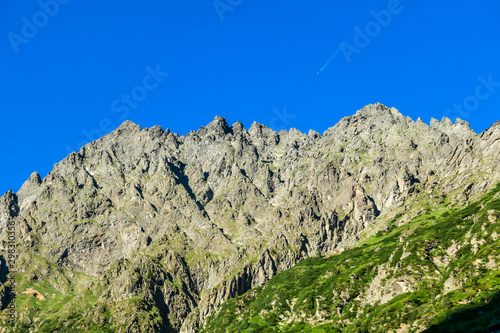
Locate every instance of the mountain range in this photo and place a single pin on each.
(380, 224)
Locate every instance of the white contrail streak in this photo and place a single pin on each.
(330, 60)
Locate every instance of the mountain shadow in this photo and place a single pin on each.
(474, 319)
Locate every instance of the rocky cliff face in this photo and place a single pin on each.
(159, 229)
(436, 271)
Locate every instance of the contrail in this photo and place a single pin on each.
(347, 38)
(334, 54)
(330, 60)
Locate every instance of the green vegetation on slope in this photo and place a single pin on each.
(414, 276)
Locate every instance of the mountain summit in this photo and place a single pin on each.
(146, 230)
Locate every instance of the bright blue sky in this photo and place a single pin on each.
(259, 62)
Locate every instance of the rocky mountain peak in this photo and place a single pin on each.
(9, 197)
(29, 189)
(445, 121)
(313, 134)
(237, 127)
(460, 129)
(372, 117)
(127, 127)
(9, 209)
(258, 130)
(34, 179)
(218, 127)
(381, 110)
(463, 125)
(377, 108)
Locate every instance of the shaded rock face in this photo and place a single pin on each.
(221, 210)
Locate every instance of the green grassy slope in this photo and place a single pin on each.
(416, 275)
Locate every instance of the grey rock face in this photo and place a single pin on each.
(221, 210)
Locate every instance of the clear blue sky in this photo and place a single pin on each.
(74, 70)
